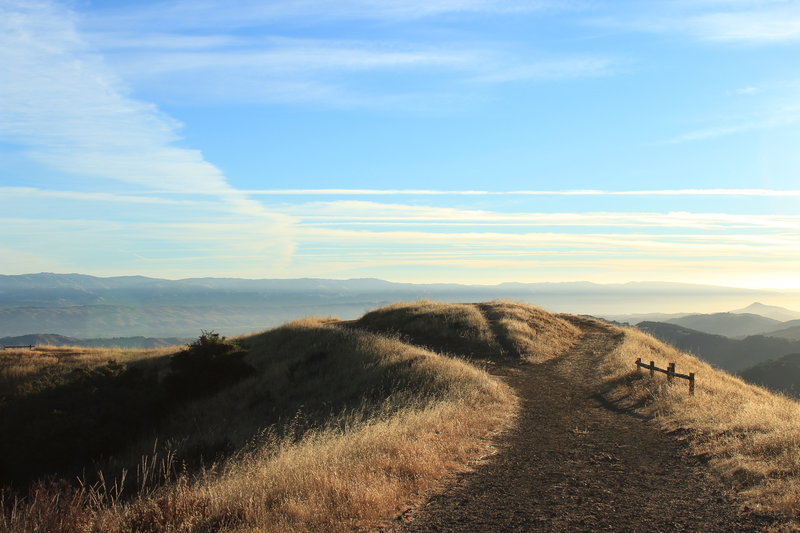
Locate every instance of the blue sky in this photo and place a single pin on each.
(472, 141)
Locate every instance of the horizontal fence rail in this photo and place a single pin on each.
(29, 346)
(669, 371)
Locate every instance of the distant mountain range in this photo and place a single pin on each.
(723, 352)
(728, 324)
(780, 375)
(790, 332)
(82, 306)
(51, 339)
(774, 312)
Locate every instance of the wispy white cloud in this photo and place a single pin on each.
(279, 69)
(59, 100)
(32, 193)
(785, 118)
(724, 21)
(68, 110)
(181, 48)
(282, 55)
(762, 25)
(574, 192)
(187, 14)
(373, 213)
(748, 91)
(691, 248)
(555, 69)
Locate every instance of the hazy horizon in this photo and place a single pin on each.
(475, 142)
(238, 305)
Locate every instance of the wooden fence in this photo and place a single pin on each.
(29, 346)
(669, 371)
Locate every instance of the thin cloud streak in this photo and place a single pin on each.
(372, 213)
(786, 118)
(573, 192)
(186, 14)
(104, 197)
(722, 22)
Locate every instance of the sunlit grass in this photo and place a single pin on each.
(750, 436)
(378, 422)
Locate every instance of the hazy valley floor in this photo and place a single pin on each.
(574, 462)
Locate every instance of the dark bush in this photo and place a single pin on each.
(95, 413)
(207, 365)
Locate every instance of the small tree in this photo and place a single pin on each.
(206, 365)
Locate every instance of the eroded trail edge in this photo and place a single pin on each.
(573, 462)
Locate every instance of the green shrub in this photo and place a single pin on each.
(207, 365)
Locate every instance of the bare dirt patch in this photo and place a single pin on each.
(576, 462)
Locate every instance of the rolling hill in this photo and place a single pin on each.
(52, 339)
(769, 311)
(787, 330)
(727, 324)
(723, 352)
(780, 375)
(325, 425)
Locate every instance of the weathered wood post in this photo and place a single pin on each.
(691, 383)
(638, 362)
(670, 372)
(652, 367)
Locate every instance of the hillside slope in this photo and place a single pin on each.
(723, 352)
(341, 426)
(770, 311)
(490, 330)
(575, 463)
(780, 375)
(727, 324)
(788, 330)
(748, 435)
(336, 427)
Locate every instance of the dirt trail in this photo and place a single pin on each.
(574, 463)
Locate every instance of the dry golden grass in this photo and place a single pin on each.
(750, 436)
(406, 418)
(446, 327)
(329, 481)
(531, 333)
(20, 369)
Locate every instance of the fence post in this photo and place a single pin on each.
(638, 368)
(652, 366)
(691, 383)
(670, 372)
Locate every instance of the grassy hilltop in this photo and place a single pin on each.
(323, 425)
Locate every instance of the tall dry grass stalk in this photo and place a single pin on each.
(330, 481)
(750, 436)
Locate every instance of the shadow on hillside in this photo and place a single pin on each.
(614, 407)
(60, 429)
(624, 404)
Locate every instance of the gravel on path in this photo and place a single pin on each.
(574, 462)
